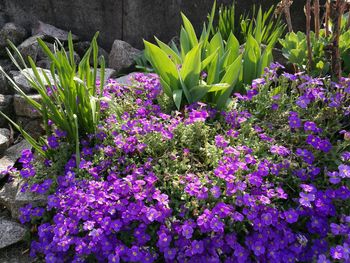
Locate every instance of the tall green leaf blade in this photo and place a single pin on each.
(162, 64)
(177, 97)
(231, 78)
(184, 43)
(233, 46)
(170, 52)
(265, 60)
(191, 68)
(190, 31)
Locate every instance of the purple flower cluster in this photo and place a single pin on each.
(252, 189)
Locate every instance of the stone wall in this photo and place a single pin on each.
(129, 20)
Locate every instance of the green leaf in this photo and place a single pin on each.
(265, 61)
(231, 77)
(191, 68)
(177, 97)
(258, 27)
(162, 64)
(233, 46)
(190, 31)
(250, 60)
(209, 59)
(216, 43)
(214, 70)
(184, 43)
(173, 55)
(198, 92)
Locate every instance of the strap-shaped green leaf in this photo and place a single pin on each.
(170, 52)
(162, 64)
(191, 68)
(190, 30)
(177, 97)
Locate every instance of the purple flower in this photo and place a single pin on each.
(216, 225)
(220, 141)
(52, 142)
(334, 177)
(308, 156)
(266, 218)
(197, 247)
(306, 199)
(290, 76)
(170, 253)
(164, 240)
(303, 102)
(322, 259)
(310, 126)
(337, 252)
(187, 231)
(291, 216)
(258, 248)
(280, 150)
(294, 121)
(344, 171)
(274, 106)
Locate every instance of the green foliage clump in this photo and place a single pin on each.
(208, 68)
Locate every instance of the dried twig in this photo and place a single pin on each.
(317, 18)
(338, 10)
(308, 29)
(328, 15)
(284, 7)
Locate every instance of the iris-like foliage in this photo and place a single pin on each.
(207, 69)
(265, 28)
(70, 97)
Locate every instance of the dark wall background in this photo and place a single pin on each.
(129, 20)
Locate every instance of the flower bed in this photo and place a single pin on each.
(266, 181)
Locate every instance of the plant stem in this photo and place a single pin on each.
(308, 29)
(328, 14)
(317, 18)
(337, 12)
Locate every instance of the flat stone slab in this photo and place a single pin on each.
(12, 154)
(51, 32)
(126, 80)
(11, 233)
(4, 140)
(23, 108)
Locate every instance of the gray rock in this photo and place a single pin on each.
(30, 48)
(11, 233)
(20, 78)
(18, 253)
(7, 65)
(109, 73)
(8, 193)
(23, 108)
(5, 87)
(4, 140)
(82, 47)
(34, 127)
(127, 79)
(44, 63)
(3, 19)
(13, 198)
(13, 32)
(122, 55)
(11, 155)
(41, 54)
(6, 107)
(51, 32)
(21, 82)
